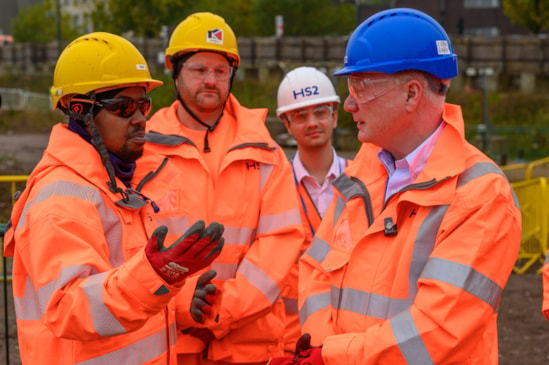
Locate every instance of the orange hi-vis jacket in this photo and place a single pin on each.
(310, 216)
(417, 280)
(255, 199)
(83, 289)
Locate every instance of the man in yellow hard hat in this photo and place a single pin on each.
(93, 281)
(234, 173)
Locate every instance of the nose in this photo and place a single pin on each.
(138, 117)
(210, 77)
(350, 104)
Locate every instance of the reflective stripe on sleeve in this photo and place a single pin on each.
(104, 323)
(409, 341)
(139, 352)
(270, 223)
(260, 280)
(111, 223)
(313, 304)
(464, 277)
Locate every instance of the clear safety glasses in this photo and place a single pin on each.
(200, 72)
(321, 112)
(364, 89)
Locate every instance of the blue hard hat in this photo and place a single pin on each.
(397, 40)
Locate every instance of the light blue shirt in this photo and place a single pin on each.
(405, 171)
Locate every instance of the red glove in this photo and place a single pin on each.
(204, 296)
(203, 334)
(312, 356)
(305, 354)
(193, 251)
(282, 360)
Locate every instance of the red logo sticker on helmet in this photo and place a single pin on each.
(215, 36)
(77, 108)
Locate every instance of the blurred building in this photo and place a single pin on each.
(11, 8)
(78, 10)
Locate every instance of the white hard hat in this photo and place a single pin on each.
(303, 87)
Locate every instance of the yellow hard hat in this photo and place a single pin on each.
(202, 32)
(99, 61)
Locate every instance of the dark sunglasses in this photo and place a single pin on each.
(126, 107)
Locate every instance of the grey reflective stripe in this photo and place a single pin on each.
(111, 223)
(264, 171)
(258, 278)
(224, 271)
(313, 304)
(27, 308)
(167, 139)
(546, 260)
(270, 223)
(238, 236)
(362, 302)
(464, 277)
(351, 187)
(484, 168)
(318, 249)
(409, 341)
(424, 244)
(34, 302)
(290, 304)
(340, 205)
(347, 187)
(139, 352)
(176, 224)
(104, 322)
(477, 170)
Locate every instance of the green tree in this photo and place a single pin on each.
(532, 14)
(239, 14)
(305, 17)
(38, 24)
(144, 18)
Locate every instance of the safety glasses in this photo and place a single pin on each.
(364, 89)
(126, 107)
(200, 72)
(321, 112)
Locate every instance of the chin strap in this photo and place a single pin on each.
(210, 128)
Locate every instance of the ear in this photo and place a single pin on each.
(287, 125)
(334, 125)
(414, 94)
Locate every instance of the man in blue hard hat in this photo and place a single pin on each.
(410, 260)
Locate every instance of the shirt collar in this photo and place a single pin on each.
(415, 161)
(301, 172)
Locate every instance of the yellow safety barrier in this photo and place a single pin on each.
(537, 168)
(534, 206)
(12, 180)
(515, 172)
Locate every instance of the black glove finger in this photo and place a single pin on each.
(210, 236)
(214, 230)
(159, 235)
(200, 293)
(216, 250)
(210, 289)
(192, 234)
(196, 228)
(205, 278)
(304, 343)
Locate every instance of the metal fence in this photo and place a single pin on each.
(19, 99)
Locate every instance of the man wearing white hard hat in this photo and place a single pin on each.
(307, 105)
